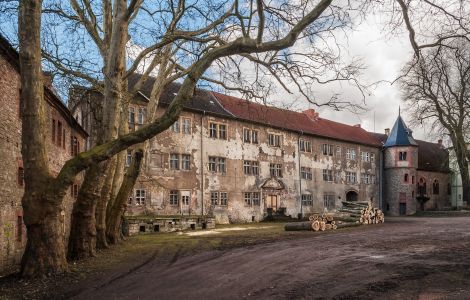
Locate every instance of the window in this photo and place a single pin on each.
(185, 200)
(175, 127)
(128, 158)
(217, 164)
(406, 178)
(63, 138)
(74, 146)
(254, 136)
(351, 177)
(223, 198)
(140, 116)
(246, 135)
(222, 131)
(255, 198)
(338, 151)
(275, 170)
(185, 161)
(74, 190)
(327, 149)
(274, 140)
(129, 201)
(247, 198)
(174, 161)
(366, 178)
(212, 164)
(327, 175)
(305, 146)
(53, 131)
(59, 133)
(306, 173)
(402, 155)
(20, 176)
(422, 187)
(213, 130)
(365, 156)
(250, 167)
(215, 198)
(131, 116)
(435, 187)
(139, 197)
(329, 201)
(174, 198)
(186, 126)
(372, 157)
(307, 200)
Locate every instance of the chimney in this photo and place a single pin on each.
(311, 114)
(357, 125)
(387, 131)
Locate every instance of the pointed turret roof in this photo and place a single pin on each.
(400, 135)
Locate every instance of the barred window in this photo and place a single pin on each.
(222, 131)
(131, 116)
(402, 155)
(255, 198)
(223, 198)
(140, 116)
(307, 200)
(247, 198)
(212, 164)
(372, 157)
(275, 170)
(305, 146)
(176, 126)
(139, 197)
(185, 200)
(247, 167)
(221, 168)
(254, 136)
(351, 177)
(255, 167)
(274, 140)
(215, 198)
(174, 197)
(327, 149)
(213, 130)
(246, 135)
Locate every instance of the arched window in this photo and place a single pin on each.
(406, 177)
(422, 187)
(435, 187)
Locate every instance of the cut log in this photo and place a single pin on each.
(346, 225)
(322, 226)
(297, 226)
(328, 226)
(315, 226)
(329, 217)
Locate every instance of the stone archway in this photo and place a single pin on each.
(352, 196)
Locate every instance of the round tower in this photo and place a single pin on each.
(400, 168)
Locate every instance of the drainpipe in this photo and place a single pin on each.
(300, 174)
(202, 164)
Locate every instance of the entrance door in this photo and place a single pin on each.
(271, 202)
(402, 209)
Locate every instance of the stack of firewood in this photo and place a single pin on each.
(315, 222)
(361, 212)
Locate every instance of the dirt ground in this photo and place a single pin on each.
(404, 258)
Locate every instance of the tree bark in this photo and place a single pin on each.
(82, 241)
(102, 202)
(116, 213)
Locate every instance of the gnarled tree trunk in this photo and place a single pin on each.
(102, 202)
(114, 218)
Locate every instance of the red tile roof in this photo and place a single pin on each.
(295, 121)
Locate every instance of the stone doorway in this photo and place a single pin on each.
(352, 196)
(271, 202)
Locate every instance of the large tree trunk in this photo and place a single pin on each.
(101, 205)
(82, 241)
(42, 204)
(120, 203)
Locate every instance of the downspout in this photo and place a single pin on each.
(202, 164)
(300, 175)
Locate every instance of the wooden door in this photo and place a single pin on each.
(271, 202)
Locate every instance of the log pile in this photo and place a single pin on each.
(350, 215)
(361, 212)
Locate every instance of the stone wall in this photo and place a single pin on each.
(12, 229)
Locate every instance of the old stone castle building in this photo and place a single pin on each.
(67, 138)
(239, 161)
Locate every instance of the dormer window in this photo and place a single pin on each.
(402, 155)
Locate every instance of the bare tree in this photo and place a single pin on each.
(436, 81)
(248, 28)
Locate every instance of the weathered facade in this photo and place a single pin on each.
(66, 138)
(240, 161)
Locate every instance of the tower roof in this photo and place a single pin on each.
(400, 135)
